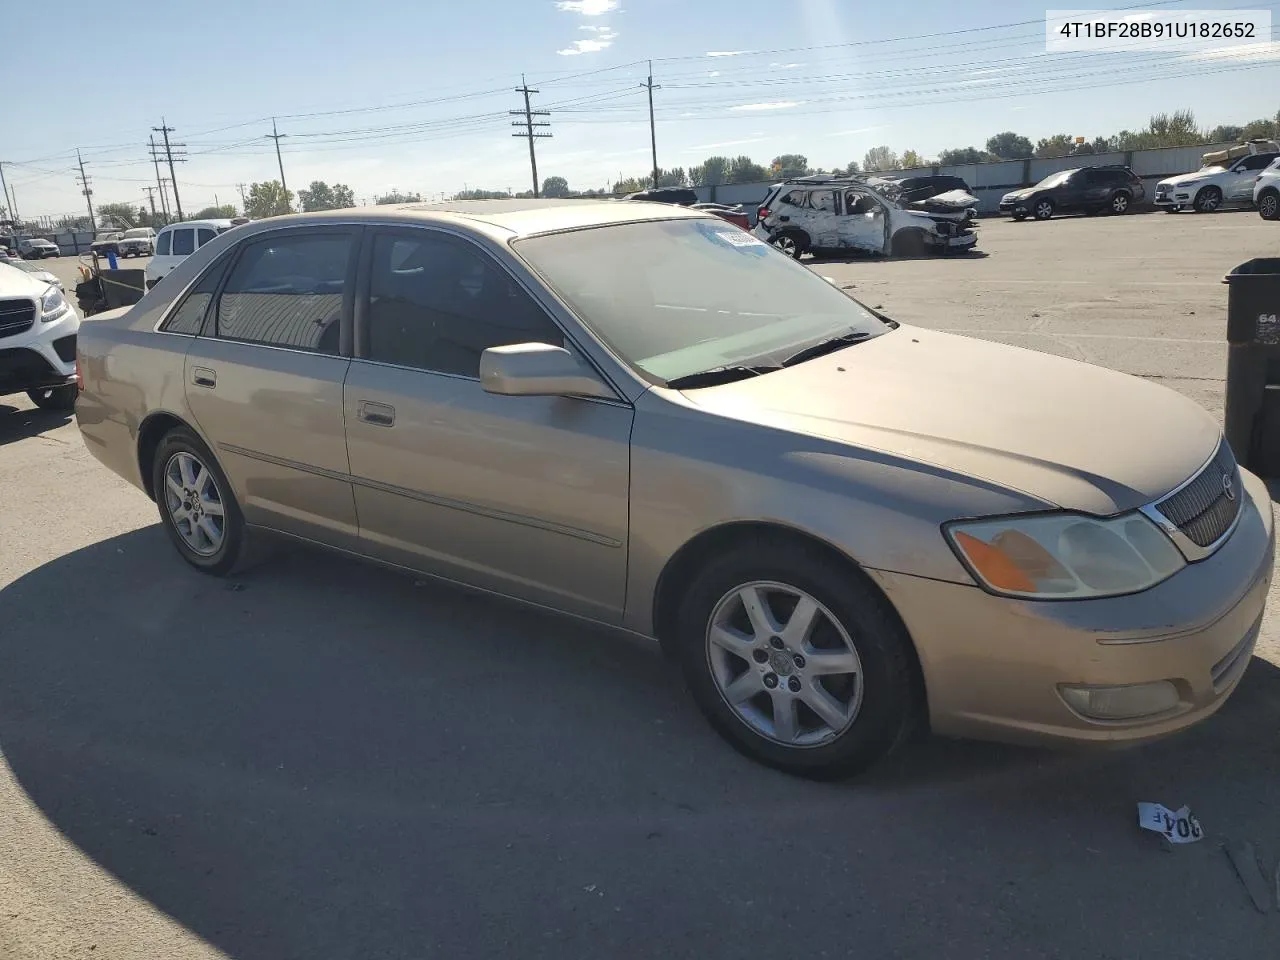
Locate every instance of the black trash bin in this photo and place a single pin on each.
(1252, 415)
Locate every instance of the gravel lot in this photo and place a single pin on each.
(322, 759)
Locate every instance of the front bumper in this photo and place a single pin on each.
(993, 667)
(1173, 196)
(45, 356)
(1013, 206)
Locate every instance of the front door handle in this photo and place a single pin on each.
(379, 414)
(204, 377)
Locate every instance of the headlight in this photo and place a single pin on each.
(1065, 556)
(53, 305)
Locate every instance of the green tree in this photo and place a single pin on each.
(629, 185)
(1009, 146)
(709, 173)
(555, 187)
(1058, 145)
(396, 196)
(481, 195)
(1258, 129)
(959, 155)
(849, 170)
(911, 160)
(879, 159)
(119, 215)
(745, 170)
(675, 177)
(321, 196)
(1225, 133)
(268, 199)
(224, 212)
(789, 165)
(1177, 129)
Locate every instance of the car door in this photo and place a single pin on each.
(264, 380)
(527, 496)
(1243, 175)
(862, 222)
(822, 219)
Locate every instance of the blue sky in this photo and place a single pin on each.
(382, 95)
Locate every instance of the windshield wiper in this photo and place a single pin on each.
(717, 376)
(830, 345)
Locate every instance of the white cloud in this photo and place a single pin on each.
(725, 143)
(594, 29)
(855, 131)
(588, 8)
(771, 105)
(725, 53)
(714, 73)
(784, 66)
(602, 40)
(1250, 52)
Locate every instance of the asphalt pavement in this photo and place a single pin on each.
(320, 759)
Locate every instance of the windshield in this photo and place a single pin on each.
(1212, 168)
(1055, 179)
(676, 297)
(138, 232)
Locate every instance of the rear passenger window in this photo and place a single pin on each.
(189, 317)
(794, 199)
(162, 244)
(436, 303)
(287, 292)
(184, 242)
(204, 235)
(1258, 162)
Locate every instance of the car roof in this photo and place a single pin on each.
(217, 224)
(513, 216)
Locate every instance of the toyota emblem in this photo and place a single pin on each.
(1228, 486)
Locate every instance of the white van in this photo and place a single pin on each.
(178, 241)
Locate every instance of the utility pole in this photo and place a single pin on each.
(9, 200)
(155, 160)
(151, 198)
(653, 135)
(165, 129)
(276, 135)
(529, 124)
(244, 203)
(87, 191)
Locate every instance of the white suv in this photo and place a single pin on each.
(1214, 185)
(1266, 192)
(178, 241)
(37, 340)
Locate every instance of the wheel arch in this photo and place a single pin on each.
(680, 568)
(900, 242)
(150, 432)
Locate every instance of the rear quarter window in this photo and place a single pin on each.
(162, 243)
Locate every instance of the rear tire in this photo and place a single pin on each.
(1119, 204)
(794, 243)
(62, 398)
(197, 508)
(755, 684)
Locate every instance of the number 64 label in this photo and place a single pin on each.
(1178, 826)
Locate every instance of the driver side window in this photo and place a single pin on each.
(288, 292)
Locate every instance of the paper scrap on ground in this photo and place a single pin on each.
(1178, 826)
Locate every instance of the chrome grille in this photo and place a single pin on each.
(16, 316)
(1207, 506)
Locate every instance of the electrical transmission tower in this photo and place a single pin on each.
(171, 158)
(531, 128)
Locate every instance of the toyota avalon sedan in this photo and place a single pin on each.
(844, 528)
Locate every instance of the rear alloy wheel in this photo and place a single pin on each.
(196, 505)
(796, 662)
(55, 398)
(1208, 200)
(1269, 205)
(1043, 209)
(1120, 203)
(791, 243)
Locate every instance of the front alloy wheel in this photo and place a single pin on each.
(194, 504)
(1043, 209)
(784, 664)
(1269, 205)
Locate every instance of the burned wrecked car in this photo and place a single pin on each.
(832, 215)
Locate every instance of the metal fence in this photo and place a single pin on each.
(990, 181)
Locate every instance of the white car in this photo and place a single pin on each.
(138, 242)
(177, 241)
(1266, 192)
(829, 215)
(1214, 185)
(37, 271)
(38, 248)
(38, 329)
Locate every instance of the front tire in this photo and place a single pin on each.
(197, 508)
(1208, 200)
(798, 662)
(61, 399)
(1043, 209)
(1269, 205)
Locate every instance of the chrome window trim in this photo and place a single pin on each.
(1191, 550)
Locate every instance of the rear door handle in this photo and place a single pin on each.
(204, 377)
(379, 414)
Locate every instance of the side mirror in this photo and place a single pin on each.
(539, 370)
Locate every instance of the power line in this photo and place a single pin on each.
(529, 125)
(165, 129)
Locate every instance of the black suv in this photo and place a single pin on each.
(678, 195)
(1085, 189)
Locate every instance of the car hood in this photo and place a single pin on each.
(949, 201)
(1184, 178)
(19, 283)
(1067, 433)
(1020, 194)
